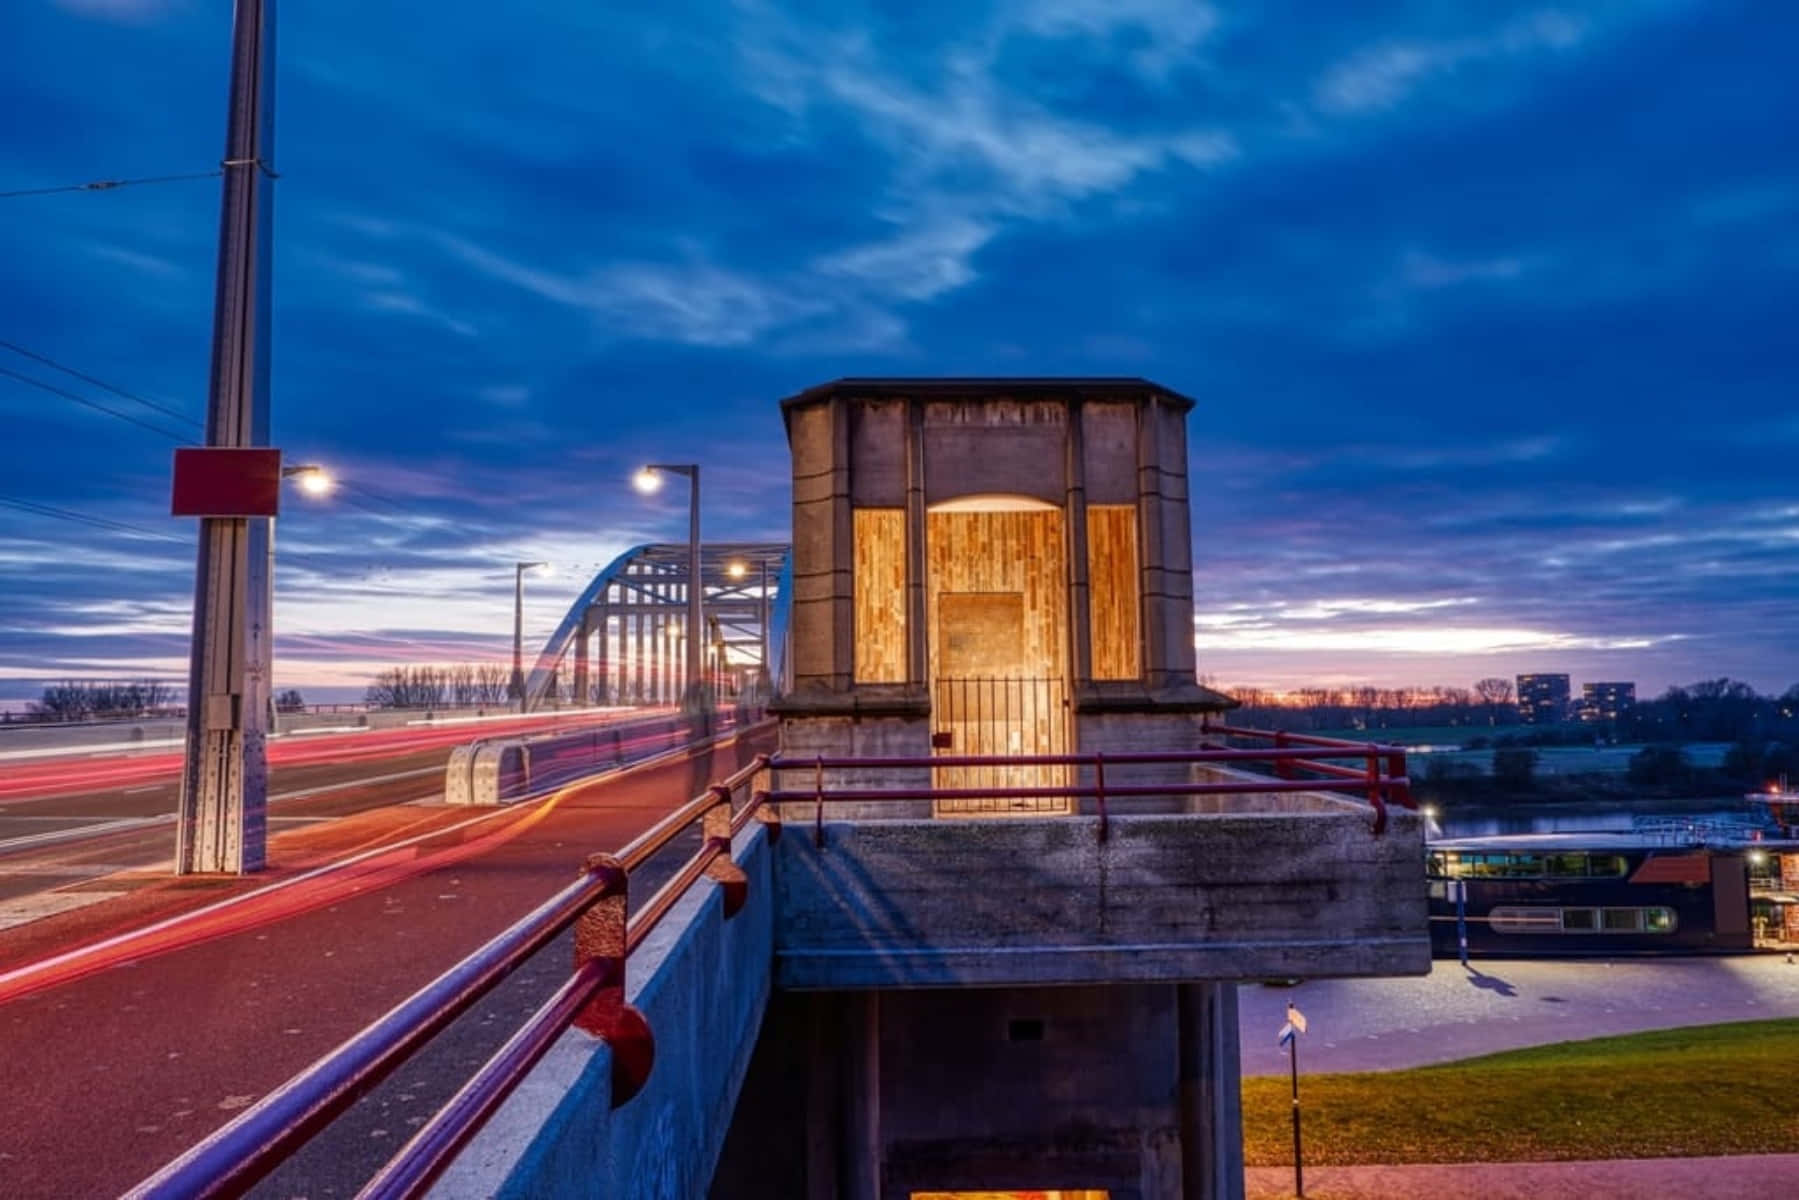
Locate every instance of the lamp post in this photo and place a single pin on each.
(222, 819)
(518, 626)
(696, 696)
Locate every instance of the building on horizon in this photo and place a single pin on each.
(1606, 701)
(1542, 699)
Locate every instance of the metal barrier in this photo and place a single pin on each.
(237, 1156)
(597, 904)
(1381, 780)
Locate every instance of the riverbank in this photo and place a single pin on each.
(1708, 1090)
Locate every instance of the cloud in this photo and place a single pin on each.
(1380, 77)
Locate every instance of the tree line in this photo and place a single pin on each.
(461, 685)
(101, 699)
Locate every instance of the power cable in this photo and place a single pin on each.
(108, 185)
(93, 404)
(99, 383)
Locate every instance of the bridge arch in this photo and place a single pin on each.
(636, 608)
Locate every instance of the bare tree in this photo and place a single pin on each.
(1495, 693)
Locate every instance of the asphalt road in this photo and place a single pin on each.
(113, 1066)
(57, 834)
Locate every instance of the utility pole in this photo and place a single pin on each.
(223, 819)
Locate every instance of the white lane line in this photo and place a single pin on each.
(338, 787)
(131, 935)
(47, 904)
(12, 845)
(149, 787)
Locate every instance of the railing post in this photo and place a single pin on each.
(600, 938)
(715, 827)
(1099, 793)
(1282, 769)
(1374, 794)
(1402, 782)
(818, 801)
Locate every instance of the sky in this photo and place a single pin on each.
(1488, 308)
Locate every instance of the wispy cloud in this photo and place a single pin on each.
(1380, 77)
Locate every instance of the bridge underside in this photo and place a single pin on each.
(624, 640)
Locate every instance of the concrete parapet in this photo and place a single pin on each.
(911, 903)
(702, 982)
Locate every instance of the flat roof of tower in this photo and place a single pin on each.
(1112, 386)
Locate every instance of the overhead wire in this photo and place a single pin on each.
(100, 383)
(108, 185)
(93, 404)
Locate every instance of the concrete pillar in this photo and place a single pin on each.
(1211, 1098)
(1074, 524)
(843, 1089)
(918, 668)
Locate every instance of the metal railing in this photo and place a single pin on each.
(1299, 764)
(240, 1154)
(597, 905)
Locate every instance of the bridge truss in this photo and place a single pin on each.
(626, 632)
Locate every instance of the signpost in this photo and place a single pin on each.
(1458, 891)
(1289, 1037)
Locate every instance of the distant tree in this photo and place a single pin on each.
(1515, 767)
(290, 701)
(1659, 766)
(1495, 693)
(407, 687)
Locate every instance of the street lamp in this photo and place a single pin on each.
(311, 478)
(648, 479)
(518, 625)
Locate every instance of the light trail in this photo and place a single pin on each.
(377, 867)
(79, 772)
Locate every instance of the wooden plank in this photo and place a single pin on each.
(1112, 587)
(880, 592)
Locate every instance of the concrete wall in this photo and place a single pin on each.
(1025, 901)
(703, 983)
(859, 1096)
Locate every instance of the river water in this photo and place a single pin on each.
(1564, 819)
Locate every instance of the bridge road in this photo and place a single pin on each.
(69, 819)
(110, 1073)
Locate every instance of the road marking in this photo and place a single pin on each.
(13, 845)
(338, 787)
(149, 787)
(47, 904)
(19, 980)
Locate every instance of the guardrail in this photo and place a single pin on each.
(511, 768)
(237, 1156)
(1380, 781)
(607, 931)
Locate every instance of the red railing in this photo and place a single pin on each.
(1380, 780)
(597, 904)
(239, 1155)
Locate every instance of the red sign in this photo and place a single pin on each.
(226, 481)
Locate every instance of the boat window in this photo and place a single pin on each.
(1438, 866)
(1659, 920)
(1623, 920)
(1568, 866)
(1605, 864)
(1580, 920)
(1525, 920)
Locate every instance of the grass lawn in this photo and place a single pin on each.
(1714, 1089)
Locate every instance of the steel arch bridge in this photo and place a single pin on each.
(636, 608)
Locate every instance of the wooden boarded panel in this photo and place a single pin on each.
(1112, 587)
(996, 589)
(880, 590)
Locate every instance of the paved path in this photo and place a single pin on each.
(1761, 1176)
(1386, 1024)
(109, 1074)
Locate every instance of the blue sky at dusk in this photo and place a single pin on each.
(1489, 308)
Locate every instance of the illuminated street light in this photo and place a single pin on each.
(649, 479)
(312, 479)
(737, 569)
(1430, 812)
(1758, 857)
